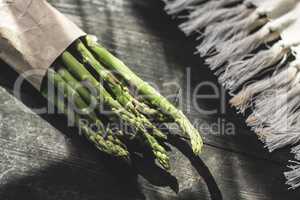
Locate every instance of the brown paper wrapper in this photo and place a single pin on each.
(33, 35)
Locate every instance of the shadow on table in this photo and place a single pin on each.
(198, 164)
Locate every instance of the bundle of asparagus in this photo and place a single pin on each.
(253, 47)
(87, 74)
(97, 91)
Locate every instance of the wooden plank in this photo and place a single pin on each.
(38, 161)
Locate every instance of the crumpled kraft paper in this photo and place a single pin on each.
(32, 36)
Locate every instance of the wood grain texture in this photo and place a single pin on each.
(41, 158)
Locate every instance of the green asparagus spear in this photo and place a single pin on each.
(122, 94)
(148, 92)
(120, 91)
(84, 92)
(89, 99)
(82, 74)
(69, 92)
(108, 146)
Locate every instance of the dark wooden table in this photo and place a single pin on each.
(41, 158)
